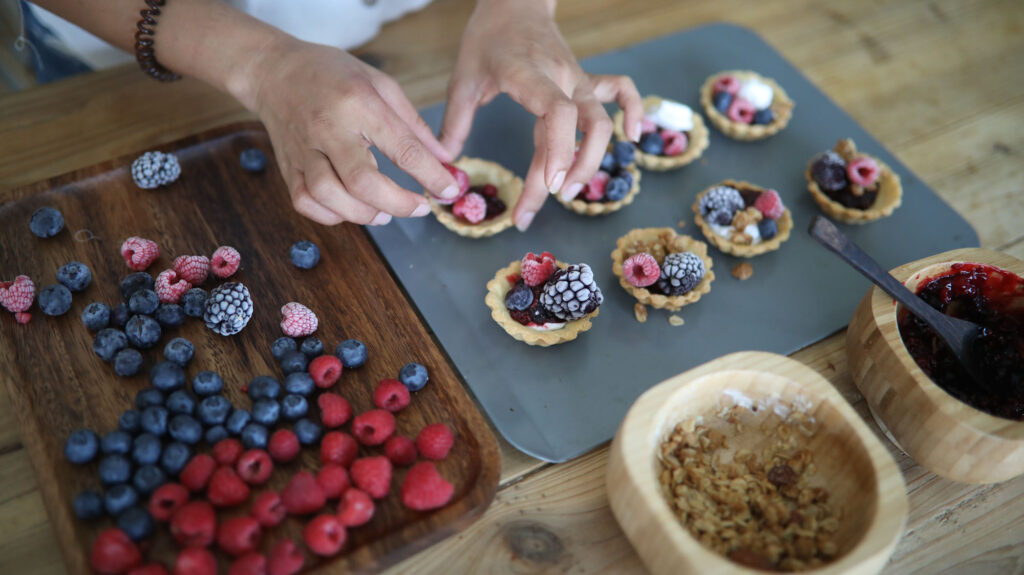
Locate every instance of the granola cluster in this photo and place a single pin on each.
(666, 243)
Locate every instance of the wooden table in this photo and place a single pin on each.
(940, 83)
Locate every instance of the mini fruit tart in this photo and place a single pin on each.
(745, 105)
(541, 301)
(853, 187)
(661, 268)
(742, 219)
(671, 135)
(614, 186)
(487, 193)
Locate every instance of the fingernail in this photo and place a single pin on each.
(636, 132)
(420, 211)
(556, 184)
(380, 219)
(572, 191)
(525, 219)
(450, 192)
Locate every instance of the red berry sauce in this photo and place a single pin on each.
(992, 298)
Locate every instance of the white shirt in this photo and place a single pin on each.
(341, 23)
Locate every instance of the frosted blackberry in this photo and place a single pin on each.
(154, 169)
(720, 204)
(228, 308)
(571, 293)
(680, 273)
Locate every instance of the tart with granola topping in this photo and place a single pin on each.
(613, 187)
(487, 193)
(661, 268)
(742, 219)
(745, 105)
(853, 187)
(671, 134)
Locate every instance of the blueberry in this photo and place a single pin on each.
(722, 101)
(829, 171)
(119, 315)
(169, 315)
(75, 276)
(608, 163)
(299, 383)
(312, 347)
(768, 229)
(293, 407)
(264, 387)
(114, 469)
(185, 429)
(616, 189)
(89, 505)
(414, 376)
(175, 457)
(765, 116)
(237, 421)
(127, 362)
(253, 160)
(132, 283)
(146, 450)
(213, 410)
(625, 175)
(352, 353)
(149, 397)
(96, 316)
(144, 301)
(624, 152)
(167, 376)
(254, 436)
(305, 255)
(281, 346)
(207, 383)
(294, 361)
(519, 298)
(266, 411)
(652, 143)
(119, 442)
(180, 401)
(215, 434)
(194, 302)
(136, 523)
(119, 498)
(180, 351)
(721, 217)
(129, 422)
(55, 300)
(108, 342)
(147, 478)
(307, 431)
(46, 222)
(81, 446)
(143, 331)
(154, 420)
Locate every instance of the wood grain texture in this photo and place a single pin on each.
(56, 384)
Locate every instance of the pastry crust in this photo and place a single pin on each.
(601, 208)
(785, 224)
(481, 172)
(679, 243)
(495, 299)
(697, 142)
(890, 196)
(782, 105)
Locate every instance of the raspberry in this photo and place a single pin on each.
(225, 261)
(255, 467)
(195, 561)
(372, 475)
(192, 269)
(227, 451)
(113, 553)
(675, 142)
(727, 84)
(22, 317)
(283, 446)
(770, 204)
(238, 535)
(297, 320)
(391, 395)
(641, 269)
(356, 508)
(741, 111)
(489, 191)
(400, 450)
(17, 296)
(537, 269)
(461, 180)
(197, 472)
(425, 489)
(333, 479)
(149, 569)
(268, 509)
(285, 559)
(324, 535)
(194, 524)
(594, 190)
(139, 253)
(169, 287)
(252, 563)
(303, 495)
(373, 427)
(325, 370)
(471, 207)
(435, 441)
(338, 447)
(166, 500)
(862, 171)
(226, 488)
(334, 409)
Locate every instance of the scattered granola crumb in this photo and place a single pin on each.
(640, 311)
(742, 271)
(682, 224)
(675, 320)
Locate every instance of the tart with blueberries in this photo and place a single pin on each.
(742, 219)
(745, 105)
(487, 193)
(853, 187)
(671, 134)
(541, 301)
(661, 268)
(614, 186)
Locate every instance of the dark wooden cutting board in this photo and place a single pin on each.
(57, 384)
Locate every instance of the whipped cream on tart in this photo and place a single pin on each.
(613, 187)
(745, 105)
(671, 135)
(487, 194)
(661, 268)
(742, 219)
(851, 186)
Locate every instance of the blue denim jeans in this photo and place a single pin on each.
(50, 60)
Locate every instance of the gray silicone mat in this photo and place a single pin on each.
(560, 402)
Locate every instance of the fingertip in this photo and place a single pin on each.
(524, 220)
(420, 211)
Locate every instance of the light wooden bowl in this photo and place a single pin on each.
(943, 434)
(863, 479)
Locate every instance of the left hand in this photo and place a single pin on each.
(515, 47)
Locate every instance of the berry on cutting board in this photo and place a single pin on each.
(414, 376)
(225, 262)
(193, 269)
(55, 300)
(304, 254)
(352, 353)
(75, 276)
(253, 160)
(139, 253)
(46, 222)
(297, 320)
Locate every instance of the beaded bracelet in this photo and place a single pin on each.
(144, 52)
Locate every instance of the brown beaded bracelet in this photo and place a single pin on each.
(144, 52)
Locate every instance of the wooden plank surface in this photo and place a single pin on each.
(939, 82)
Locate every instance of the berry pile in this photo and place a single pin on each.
(665, 130)
(744, 102)
(846, 176)
(545, 297)
(474, 203)
(613, 180)
(742, 215)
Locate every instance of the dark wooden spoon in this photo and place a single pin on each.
(958, 334)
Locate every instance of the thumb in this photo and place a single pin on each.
(463, 99)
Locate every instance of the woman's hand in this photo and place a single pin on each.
(515, 47)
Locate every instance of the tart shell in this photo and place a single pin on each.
(785, 224)
(586, 208)
(697, 142)
(482, 172)
(782, 106)
(680, 243)
(890, 196)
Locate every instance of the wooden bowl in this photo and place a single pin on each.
(863, 479)
(943, 434)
